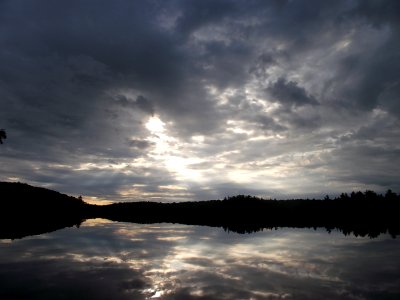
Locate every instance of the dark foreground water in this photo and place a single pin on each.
(105, 260)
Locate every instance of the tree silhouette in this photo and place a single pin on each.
(3, 135)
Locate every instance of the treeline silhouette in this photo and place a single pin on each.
(362, 214)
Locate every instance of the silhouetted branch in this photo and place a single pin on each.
(3, 135)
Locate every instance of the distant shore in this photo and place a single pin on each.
(27, 210)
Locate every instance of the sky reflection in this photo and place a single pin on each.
(106, 260)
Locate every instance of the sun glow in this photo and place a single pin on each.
(155, 125)
(168, 151)
(181, 167)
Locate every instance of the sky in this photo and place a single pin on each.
(194, 100)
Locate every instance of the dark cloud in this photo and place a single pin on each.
(195, 14)
(140, 103)
(378, 12)
(141, 144)
(289, 93)
(79, 82)
(268, 123)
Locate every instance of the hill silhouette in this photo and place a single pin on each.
(27, 210)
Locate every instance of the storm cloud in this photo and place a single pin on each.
(173, 100)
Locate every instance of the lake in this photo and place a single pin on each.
(112, 260)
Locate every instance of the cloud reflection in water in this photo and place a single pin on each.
(105, 260)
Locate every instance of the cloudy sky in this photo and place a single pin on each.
(189, 100)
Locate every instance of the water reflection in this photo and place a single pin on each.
(105, 260)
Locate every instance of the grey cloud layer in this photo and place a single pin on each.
(78, 81)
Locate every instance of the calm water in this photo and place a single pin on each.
(106, 260)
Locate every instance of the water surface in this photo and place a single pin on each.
(110, 260)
